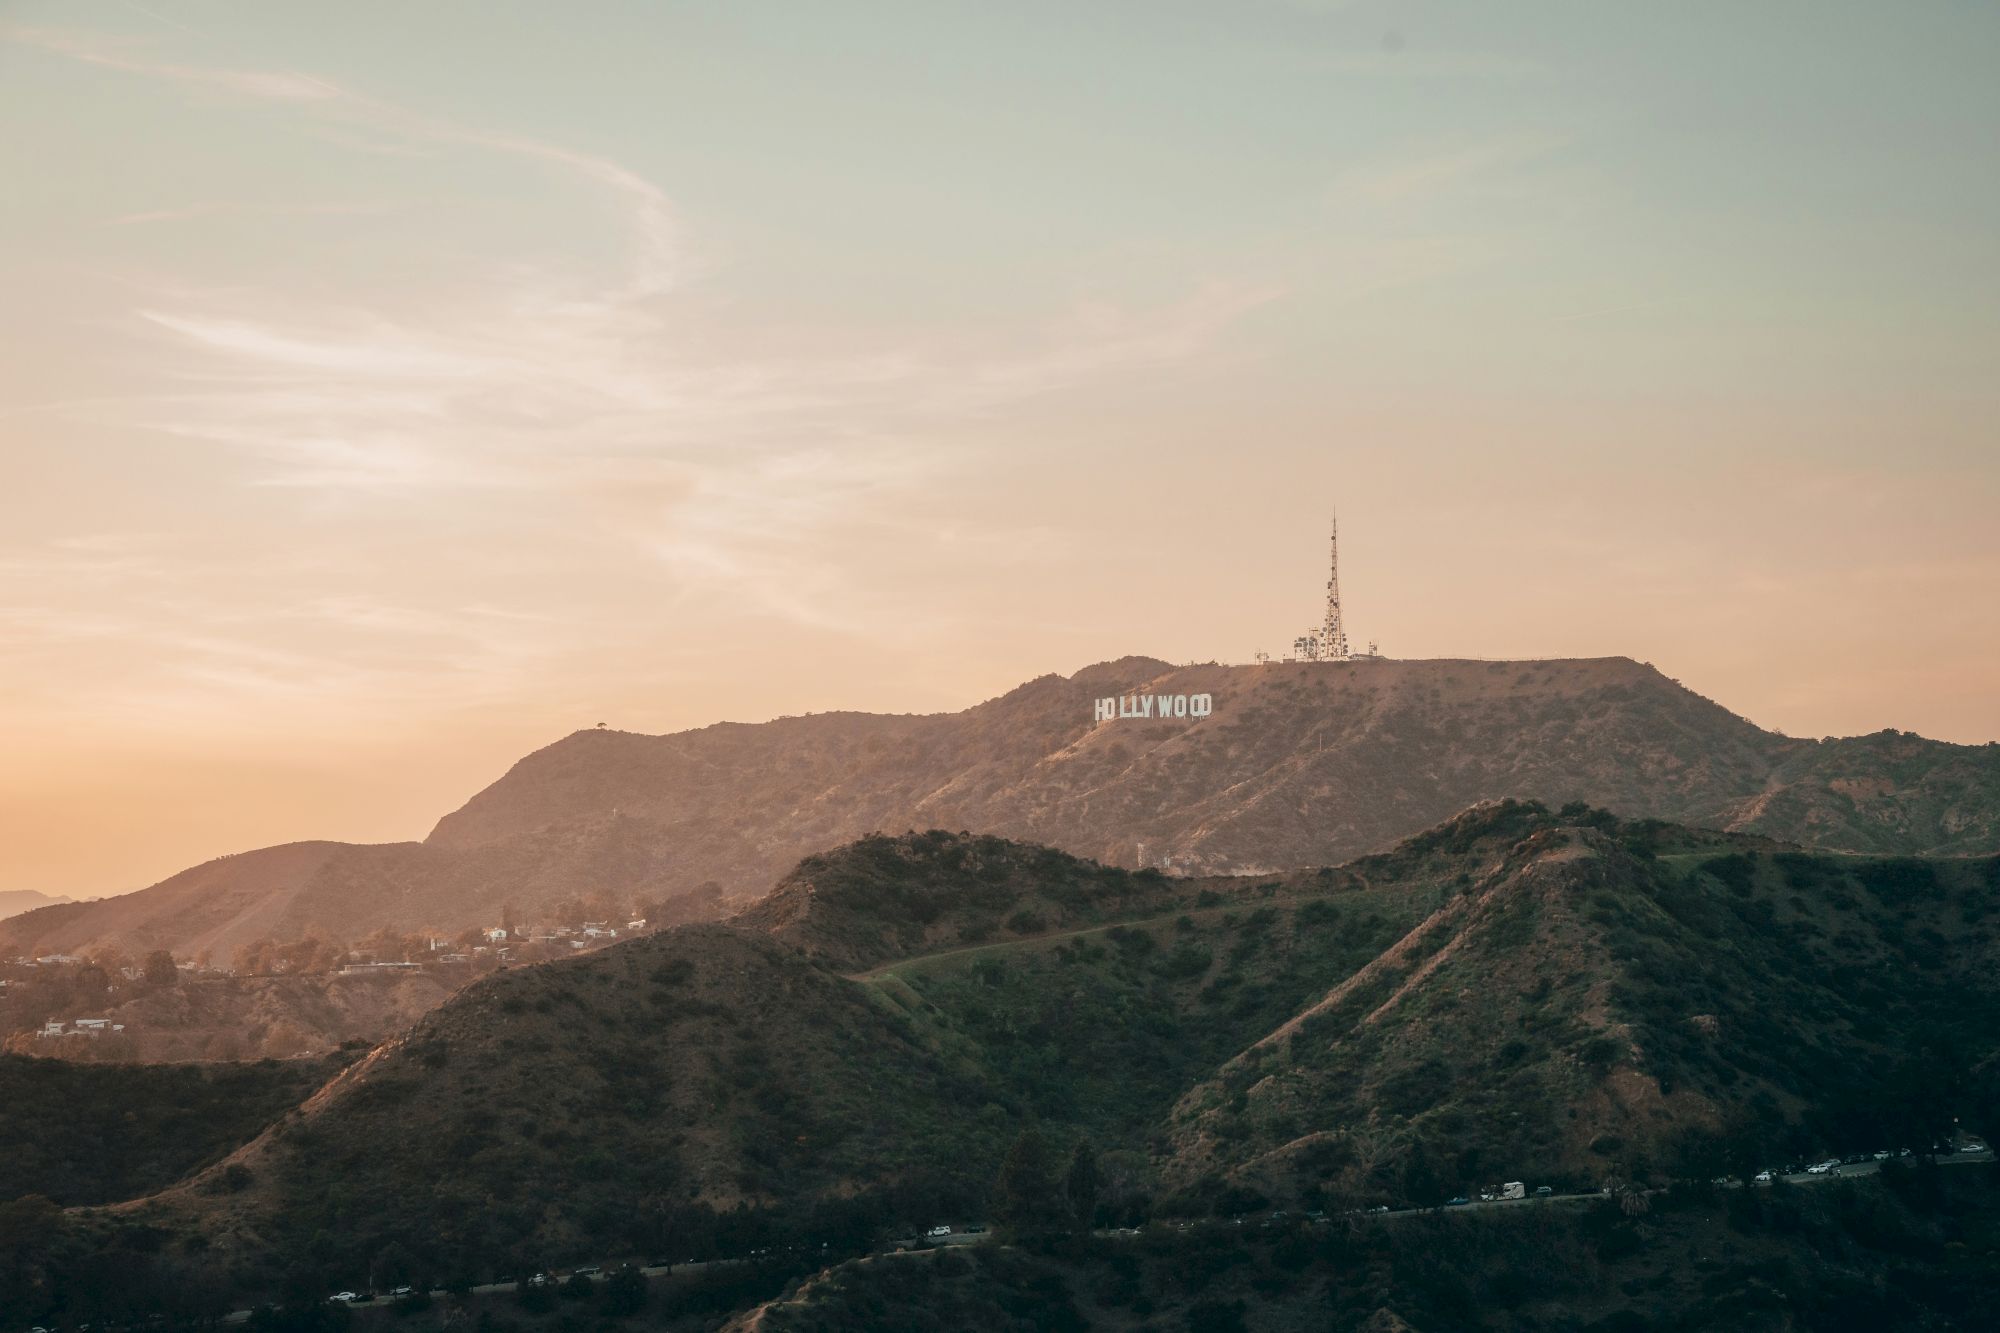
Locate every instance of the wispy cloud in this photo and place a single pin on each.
(575, 401)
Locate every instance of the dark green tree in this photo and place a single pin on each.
(1029, 1201)
(1080, 1186)
(393, 1266)
(624, 1293)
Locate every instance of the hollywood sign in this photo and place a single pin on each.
(1155, 706)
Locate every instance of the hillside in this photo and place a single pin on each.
(1298, 764)
(79, 1134)
(231, 1018)
(592, 1101)
(13, 902)
(1585, 1007)
(1519, 993)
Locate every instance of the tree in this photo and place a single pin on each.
(624, 1293)
(1982, 1104)
(1029, 1201)
(160, 969)
(394, 1266)
(1080, 1185)
(1925, 1088)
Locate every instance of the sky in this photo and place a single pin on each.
(389, 389)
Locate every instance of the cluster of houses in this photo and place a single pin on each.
(577, 937)
(500, 945)
(79, 1027)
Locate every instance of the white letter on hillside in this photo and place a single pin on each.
(1201, 705)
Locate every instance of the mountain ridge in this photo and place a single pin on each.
(1299, 764)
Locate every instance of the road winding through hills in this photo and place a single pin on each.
(1259, 1221)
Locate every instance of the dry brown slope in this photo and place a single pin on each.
(232, 1018)
(1300, 764)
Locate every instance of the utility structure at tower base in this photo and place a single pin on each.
(1327, 643)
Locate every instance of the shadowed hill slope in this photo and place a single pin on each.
(84, 1134)
(1298, 764)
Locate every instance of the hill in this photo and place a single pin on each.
(1297, 764)
(233, 1018)
(1585, 1007)
(1519, 993)
(13, 902)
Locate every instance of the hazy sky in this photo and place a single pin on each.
(388, 389)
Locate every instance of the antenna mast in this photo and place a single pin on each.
(1332, 634)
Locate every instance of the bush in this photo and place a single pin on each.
(1214, 1316)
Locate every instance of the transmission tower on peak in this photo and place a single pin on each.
(1328, 643)
(1333, 634)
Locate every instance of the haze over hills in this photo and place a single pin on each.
(1298, 764)
(13, 902)
(1558, 996)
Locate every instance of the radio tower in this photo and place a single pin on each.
(1332, 634)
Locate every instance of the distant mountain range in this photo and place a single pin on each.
(1297, 764)
(13, 902)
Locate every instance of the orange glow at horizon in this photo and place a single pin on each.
(370, 418)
